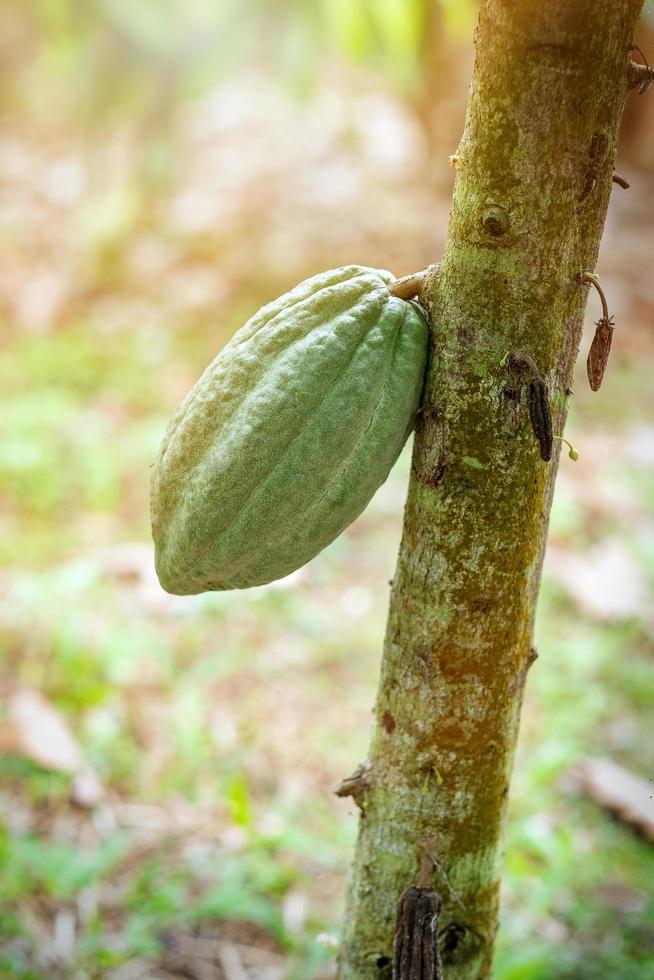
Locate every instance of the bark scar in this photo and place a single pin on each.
(435, 478)
(598, 153)
(388, 722)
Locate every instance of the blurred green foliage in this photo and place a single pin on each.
(131, 53)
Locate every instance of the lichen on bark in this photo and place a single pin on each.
(549, 82)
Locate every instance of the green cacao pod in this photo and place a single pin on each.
(288, 433)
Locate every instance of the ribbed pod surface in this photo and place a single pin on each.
(288, 433)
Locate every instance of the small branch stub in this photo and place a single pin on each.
(640, 76)
(415, 952)
(356, 785)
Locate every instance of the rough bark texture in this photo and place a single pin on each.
(532, 189)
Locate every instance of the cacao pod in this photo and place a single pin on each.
(288, 433)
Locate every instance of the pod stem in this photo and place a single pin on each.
(408, 287)
(592, 280)
(572, 452)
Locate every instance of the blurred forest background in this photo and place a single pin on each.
(168, 765)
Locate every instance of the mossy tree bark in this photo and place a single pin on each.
(533, 183)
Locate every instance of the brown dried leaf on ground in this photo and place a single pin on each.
(222, 959)
(37, 731)
(627, 796)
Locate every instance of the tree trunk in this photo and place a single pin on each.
(533, 184)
